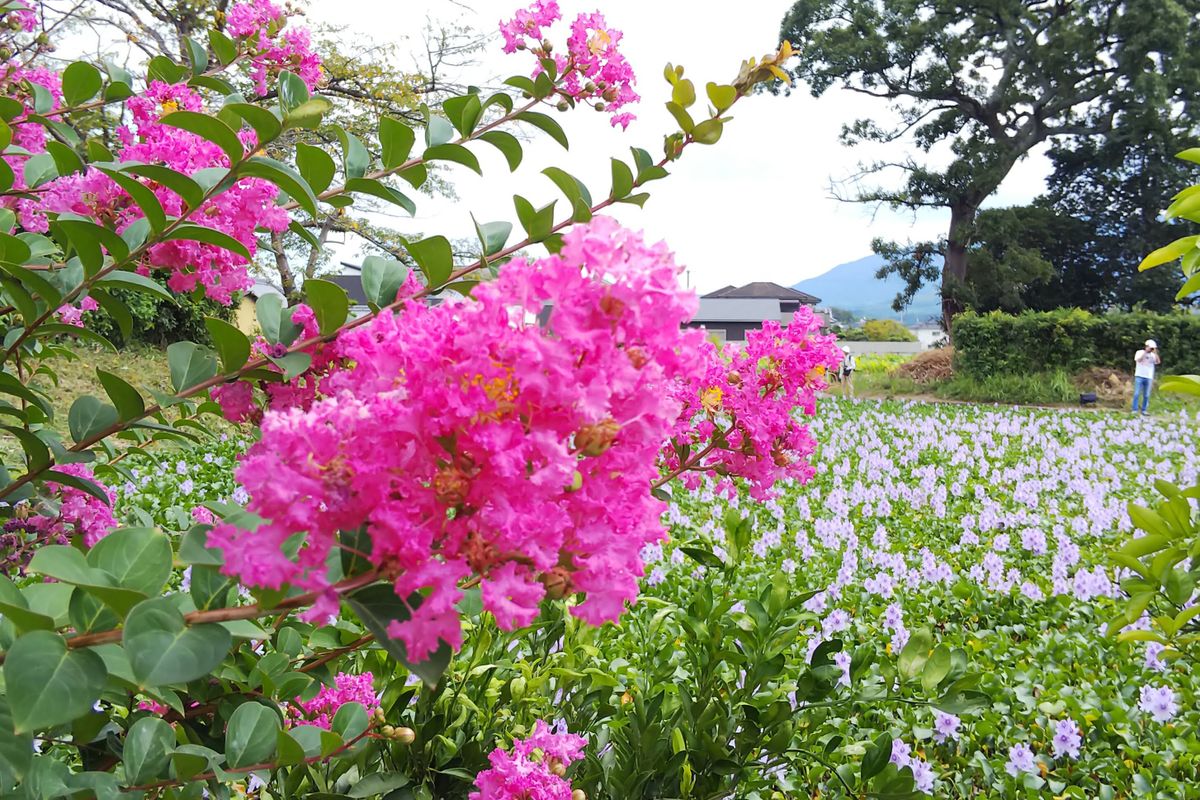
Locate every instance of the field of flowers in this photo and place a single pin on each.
(965, 546)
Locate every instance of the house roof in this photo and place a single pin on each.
(764, 290)
(736, 309)
(262, 287)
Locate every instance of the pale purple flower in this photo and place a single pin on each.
(945, 726)
(1020, 760)
(901, 753)
(1067, 739)
(923, 776)
(1153, 657)
(1159, 702)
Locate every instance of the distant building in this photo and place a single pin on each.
(929, 334)
(732, 310)
(246, 316)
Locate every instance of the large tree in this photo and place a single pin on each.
(975, 86)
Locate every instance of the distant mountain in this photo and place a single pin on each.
(853, 286)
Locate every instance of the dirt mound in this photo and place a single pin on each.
(931, 366)
(1110, 385)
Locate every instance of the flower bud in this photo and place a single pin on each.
(557, 582)
(405, 735)
(610, 94)
(599, 106)
(557, 767)
(521, 44)
(637, 356)
(388, 731)
(595, 439)
(450, 486)
(589, 87)
(547, 46)
(563, 105)
(579, 794)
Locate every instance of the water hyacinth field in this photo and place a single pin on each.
(991, 528)
(949, 554)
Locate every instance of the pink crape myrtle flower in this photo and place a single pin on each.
(260, 23)
(247, 206)
(593, 70)
(79, 513)
(321, 709)
(744, 404)
(511, 436)
(534, 769)
(73, 315)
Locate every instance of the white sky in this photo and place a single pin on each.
(756, 206)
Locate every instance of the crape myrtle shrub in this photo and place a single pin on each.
(419, 478)
(1071, 340)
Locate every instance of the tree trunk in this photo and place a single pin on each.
(954, 269)
(287, 280)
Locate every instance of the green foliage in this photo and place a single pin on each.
(1055, 71)
(887, 330)
(1044, 387)
(158, 320)
(1034, 342)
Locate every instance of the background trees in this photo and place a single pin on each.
(976, 86)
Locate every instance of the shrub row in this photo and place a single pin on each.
(1072, 340)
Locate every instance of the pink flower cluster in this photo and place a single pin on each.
(260, 23)
(512, 436)
(534, 770)
(73, 315)
(26, 18)
(79, 513)
(246, 206)
(346, 689)
(593, 71)
(29, 136)
(742, 407)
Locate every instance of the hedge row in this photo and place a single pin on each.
(1072, 340)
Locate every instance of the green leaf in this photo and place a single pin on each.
(66, 160)
(46, 684)
(231, 344)
(381, 190)
(37, 456)
(463, 112)
(125, 398)
(507, 144)
(722, 97)
(709, 131)
(396, 139)
(164, 69)
(1170, 252)
(89, 416)
(222, 46)
(382, 279)
(198, 233)
(308, 114)
(16, 750)
(547, 124)
(437, 131)
(88, 237)
(190, 364)
(329, 303)
(163, 649)
(194, 549)
(142, 195)
(936, 668)
(683, 93)
(378, 783)
(210, 128)
(963, 701)
(877, 755)
(377, 606)
(266, 125)
(147, 751)
(188, 190)
(285, 178)
(292, 91)
(275, 320)
(349, 721)
(538, 223)
(355, 158)
(68, 565)
(493, 236)
(915, 653)
(121, 279)
(197, 55)
(292, 364)
(622, 179)
(453, 152)
(435, 257)
(136, 558)
(39, 169)
(569, 185)
(252, 735)
(315, 165)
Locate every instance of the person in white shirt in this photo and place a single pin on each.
(1144, 362)
(846, 372)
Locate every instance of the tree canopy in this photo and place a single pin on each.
(975, 86)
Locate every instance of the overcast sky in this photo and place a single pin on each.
(756, 206)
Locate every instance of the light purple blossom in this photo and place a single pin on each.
(1067, 739)
(1020, 760)
(1159, 702)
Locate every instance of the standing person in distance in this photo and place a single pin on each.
(846, 371)
(1144, 362)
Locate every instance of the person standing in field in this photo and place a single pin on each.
(846, 371)
(1144, 362)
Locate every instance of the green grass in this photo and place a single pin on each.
(1048, 388)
